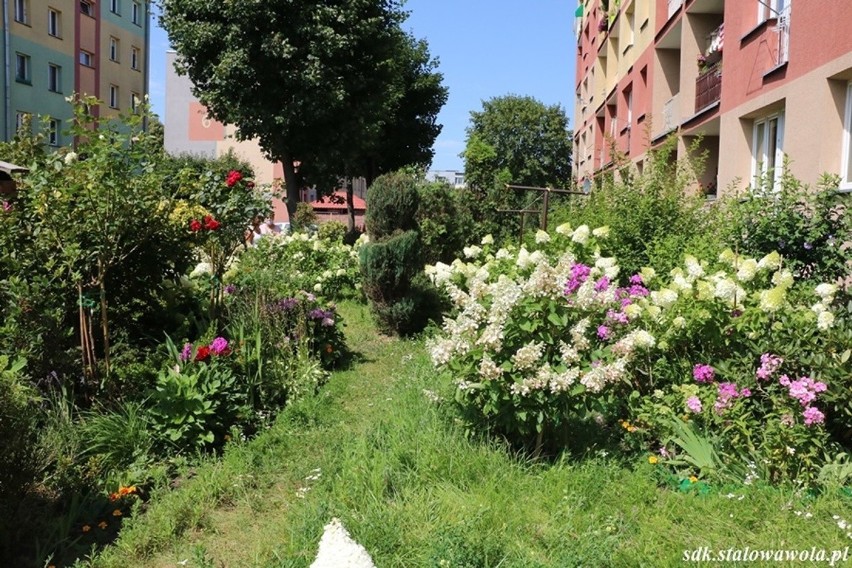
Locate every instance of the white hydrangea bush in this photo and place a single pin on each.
(543, 335)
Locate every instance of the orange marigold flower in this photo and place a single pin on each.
(127, 490)
(693, 479)
(652, 459)
(113, 496)
(117, 513)
(631, 428)
(86, 528)
(102, 524)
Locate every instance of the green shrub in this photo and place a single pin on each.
(18, 430)
(305, 218)
(332, 231)
(119, 438)
(445, 221)
(392, 203)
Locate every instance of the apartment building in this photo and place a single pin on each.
(53, 48)
(750, 81)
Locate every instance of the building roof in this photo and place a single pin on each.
(337, 200)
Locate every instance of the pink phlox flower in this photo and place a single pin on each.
(616, 317)
(602, 284)
(693, 403)
(219, 346)
(745, 392)
(579, 274)
(813, 416)
(638, 290)
(703, 373)
(603, 332)
(636, 279)
(784, 380)
(769, 363)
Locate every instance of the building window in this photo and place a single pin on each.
(86, 58)
(87, 8)
(113, 96)
(53, 132)
(134, 58)
(22, 12)
(54, 78)
(768, 9)
(22, 120)
(53, 23)
(846, 162)
(135, 15)
(767, 157)
(115, 6)
(134, 101)
(22, 68)
(113, 49)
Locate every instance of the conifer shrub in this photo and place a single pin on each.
(392, 259)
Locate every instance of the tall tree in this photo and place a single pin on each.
(517, 139)
(302, 76)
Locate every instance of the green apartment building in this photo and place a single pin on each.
(53, 48)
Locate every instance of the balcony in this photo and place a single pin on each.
(674, 6)
(708, 87)
(671, 114)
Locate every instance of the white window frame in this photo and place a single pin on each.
(114, 49)
(22, 11)
(86, 58)
(53, 127)
(54, 78)
(20, 117)
(54, 23)
(760, 160)
(115, 6)
(113, 96)
(134, 101)
(23, 63)
(769, 9)
(87, 8)
(845, 160)
(135, 11)
(134, 58)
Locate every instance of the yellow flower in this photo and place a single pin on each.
(631, 428)
(693, 479)
(652, 459)
(86, 528)
(116, 513)
(102, 524)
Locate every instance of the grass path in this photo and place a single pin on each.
(372, 450)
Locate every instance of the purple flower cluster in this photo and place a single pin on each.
(286, 304)
(602, 285)
(768, 365)
(703, 373)
(693, 403)
(579, 274)
(230, 289)
(635, 290)
(728, 392)
(616, 317)
(604, 332)
(326, 317)
(219, 346)
(186, 352)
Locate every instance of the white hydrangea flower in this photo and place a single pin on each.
(818, 308)
(664, 297)
(327, 274)
(503, 254)
(601, 232)
(705, 290)
(537, 258)
(568, 353)
(528, 356)
(317, 287)
(560, 382)
(647, 273)
(201, 269)
(725, 289)
(771, 261)
(581, 234)
(825, 320)
(728, 256)
(679, 322)
(564, 229)
(654, 311)
(693, 267)
(440, 350)
(773, 299)
(826, 292)
(680, 283)
(524, 258)
(542, 237)
(747, 270)
(442, 274)
(642, 338)
(340, 272)
(471, 251)
(488, 370)
(783, 278)
(633, 310)
(70, 158)
(487, 240)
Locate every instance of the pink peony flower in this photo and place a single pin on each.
(219, 346)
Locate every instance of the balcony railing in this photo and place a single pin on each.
(671, 113)
(708, 87)
(674, 6)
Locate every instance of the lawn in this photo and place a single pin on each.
(374, 449)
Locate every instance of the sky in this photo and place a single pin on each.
(486, 48)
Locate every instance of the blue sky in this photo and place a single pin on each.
(486, 48)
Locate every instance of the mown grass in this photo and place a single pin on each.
(410, 486)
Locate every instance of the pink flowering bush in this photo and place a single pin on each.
(542, 340)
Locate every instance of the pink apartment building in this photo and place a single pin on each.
(757, 80)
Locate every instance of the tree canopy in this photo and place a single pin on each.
(315, 81)
(517, 139)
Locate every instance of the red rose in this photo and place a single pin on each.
(233, 177)
(195, 225)
(203, 353)
(210, 223)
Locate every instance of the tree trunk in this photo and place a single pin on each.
(104, 314)
(350, 206)
(291, 184)
(86, 348)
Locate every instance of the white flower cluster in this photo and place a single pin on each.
(528, 356)
(825, 318)
(338, 550)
